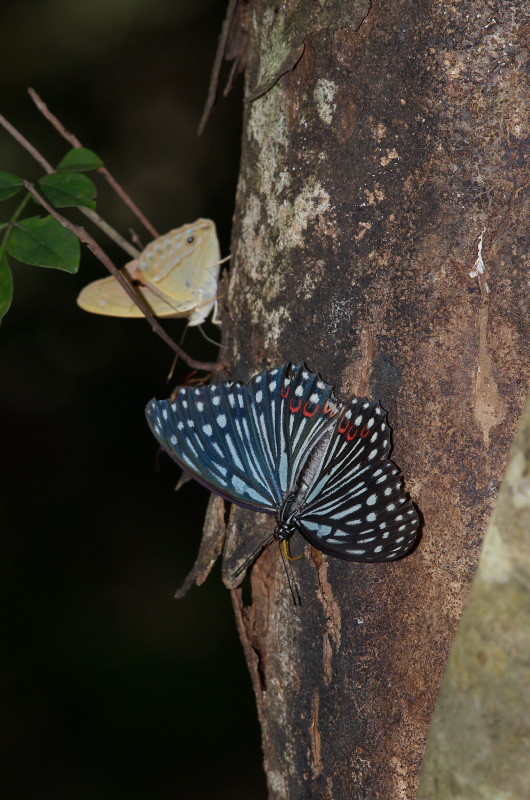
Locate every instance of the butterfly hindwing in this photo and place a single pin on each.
(361, 437)
(105, 296)
(356, 508)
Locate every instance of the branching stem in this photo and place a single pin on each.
(74, 141)
(93, 216)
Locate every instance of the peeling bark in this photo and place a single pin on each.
(375, 172)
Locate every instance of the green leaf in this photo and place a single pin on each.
(6, 286)
(69, 189)
(9, 185)
(44, 242)
(79, 159)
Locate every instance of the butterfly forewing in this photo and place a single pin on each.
(199, 432)
(183, 267)
(243, 438)
(245, 442)
(306, 405)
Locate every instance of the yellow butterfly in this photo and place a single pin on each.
(177, 274)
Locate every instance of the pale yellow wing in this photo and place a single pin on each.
(178, 275)
(183, 267)
(105, 296)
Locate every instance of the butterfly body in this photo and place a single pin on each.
(285, 445)
(177, 274)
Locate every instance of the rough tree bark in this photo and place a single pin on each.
(379, 237)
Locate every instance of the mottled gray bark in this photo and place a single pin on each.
(379, 237)
(479, 744)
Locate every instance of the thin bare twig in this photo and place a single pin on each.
(74, 141)
(135, 296)
(218, 62)
(21, 139)
(92, 215)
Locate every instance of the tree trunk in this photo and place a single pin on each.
(378, 237)
(479, 743)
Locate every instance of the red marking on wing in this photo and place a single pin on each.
(365, 431)
(299, 406)
(344, 424)
(307, 413)
(349, 436)
(329, 410)
(284, 391)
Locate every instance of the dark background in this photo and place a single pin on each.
(111, 688)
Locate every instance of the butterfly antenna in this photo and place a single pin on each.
(295, 594)
(222, 261)
(252, 556)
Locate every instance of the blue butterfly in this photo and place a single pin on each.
(285, 445)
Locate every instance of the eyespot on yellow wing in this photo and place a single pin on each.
(176, 273)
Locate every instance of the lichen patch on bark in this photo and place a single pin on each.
(324, 94)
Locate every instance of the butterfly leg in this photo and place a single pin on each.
(216, 316)
(295, 594)
(288, 552)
